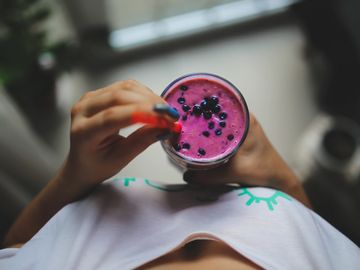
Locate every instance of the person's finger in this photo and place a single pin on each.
(139, 140)
(125, 85)
(91, 94)
(111, 120)
(108, 99)
(217, 176)
(135, 86)
(100, 91)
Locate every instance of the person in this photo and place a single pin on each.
(251, 213)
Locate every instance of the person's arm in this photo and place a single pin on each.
(97, 151)
(256, 163)
(55, 195)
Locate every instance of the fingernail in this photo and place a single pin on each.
(164, 108)
(174, 113)
(163, 136)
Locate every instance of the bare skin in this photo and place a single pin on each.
(202, 254)
(256, 163)
(97, 152)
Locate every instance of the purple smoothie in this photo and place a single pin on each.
(214, 120)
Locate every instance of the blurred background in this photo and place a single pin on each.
(297, 63)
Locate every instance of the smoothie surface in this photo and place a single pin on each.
(212, 115)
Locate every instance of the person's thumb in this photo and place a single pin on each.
(141, 139)
(217, 176)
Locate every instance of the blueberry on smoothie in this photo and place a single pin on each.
(206, 133)
(211, 125)
(184, 87)
(201, 151)
(216, 109)
(181, 100)
(186, 146)
(223, 115)
(218, 132)
(213, 101)
(222, 124)
(197, 110)
(207, 114)
(230, 137)
(186, 108)
(204, 105)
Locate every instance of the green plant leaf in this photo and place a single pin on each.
(39, 15)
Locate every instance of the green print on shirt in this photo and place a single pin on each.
(270, 201)
(128, 180)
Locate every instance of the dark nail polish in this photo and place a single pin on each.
(172, 112)
(166, 109)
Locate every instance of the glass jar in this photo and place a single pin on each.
(214, 118)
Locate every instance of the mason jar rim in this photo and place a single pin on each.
(243, 137)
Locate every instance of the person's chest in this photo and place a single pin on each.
(201, 254)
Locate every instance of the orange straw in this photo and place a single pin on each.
(156, 121)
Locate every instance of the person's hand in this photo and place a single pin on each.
(97, 151)
(256, 163)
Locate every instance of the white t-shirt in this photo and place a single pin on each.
(130, 221)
